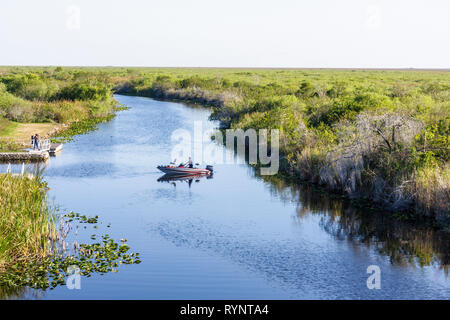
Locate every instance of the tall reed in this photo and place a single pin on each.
(27, 226)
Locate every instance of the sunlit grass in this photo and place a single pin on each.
(6, 126)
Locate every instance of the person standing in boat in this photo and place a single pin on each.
(190, 165)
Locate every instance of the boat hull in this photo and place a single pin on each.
(182, 170)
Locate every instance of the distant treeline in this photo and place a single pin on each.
(377, 135)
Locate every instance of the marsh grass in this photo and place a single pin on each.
(431, 187)
(28, 228)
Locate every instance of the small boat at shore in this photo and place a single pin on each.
(185, 170)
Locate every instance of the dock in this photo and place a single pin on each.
(24, 156)
(32, 155)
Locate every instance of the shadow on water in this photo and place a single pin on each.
(404, 243)
(14, 293)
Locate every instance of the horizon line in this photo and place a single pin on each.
(255, 68)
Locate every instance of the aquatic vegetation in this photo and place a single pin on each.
(99, 257)
(78, 128)
(84, 126)
(33, 248)
(81, 218)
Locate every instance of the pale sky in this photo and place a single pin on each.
(227, 33)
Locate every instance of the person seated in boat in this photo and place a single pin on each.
(188, 164)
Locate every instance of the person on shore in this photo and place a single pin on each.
(36, 141)
(32, 141)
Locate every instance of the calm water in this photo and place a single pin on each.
(233, 236)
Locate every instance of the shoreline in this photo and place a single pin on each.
(58, 133)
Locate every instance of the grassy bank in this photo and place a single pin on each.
(377, 135)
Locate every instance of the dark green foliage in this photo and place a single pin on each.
(83, 92)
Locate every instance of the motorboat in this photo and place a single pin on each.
(185, 170)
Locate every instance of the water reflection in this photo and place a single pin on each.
(181, 178)
(404, 243)
(14, 292)
(18, 167)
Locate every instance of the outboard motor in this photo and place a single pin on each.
(210, 168)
